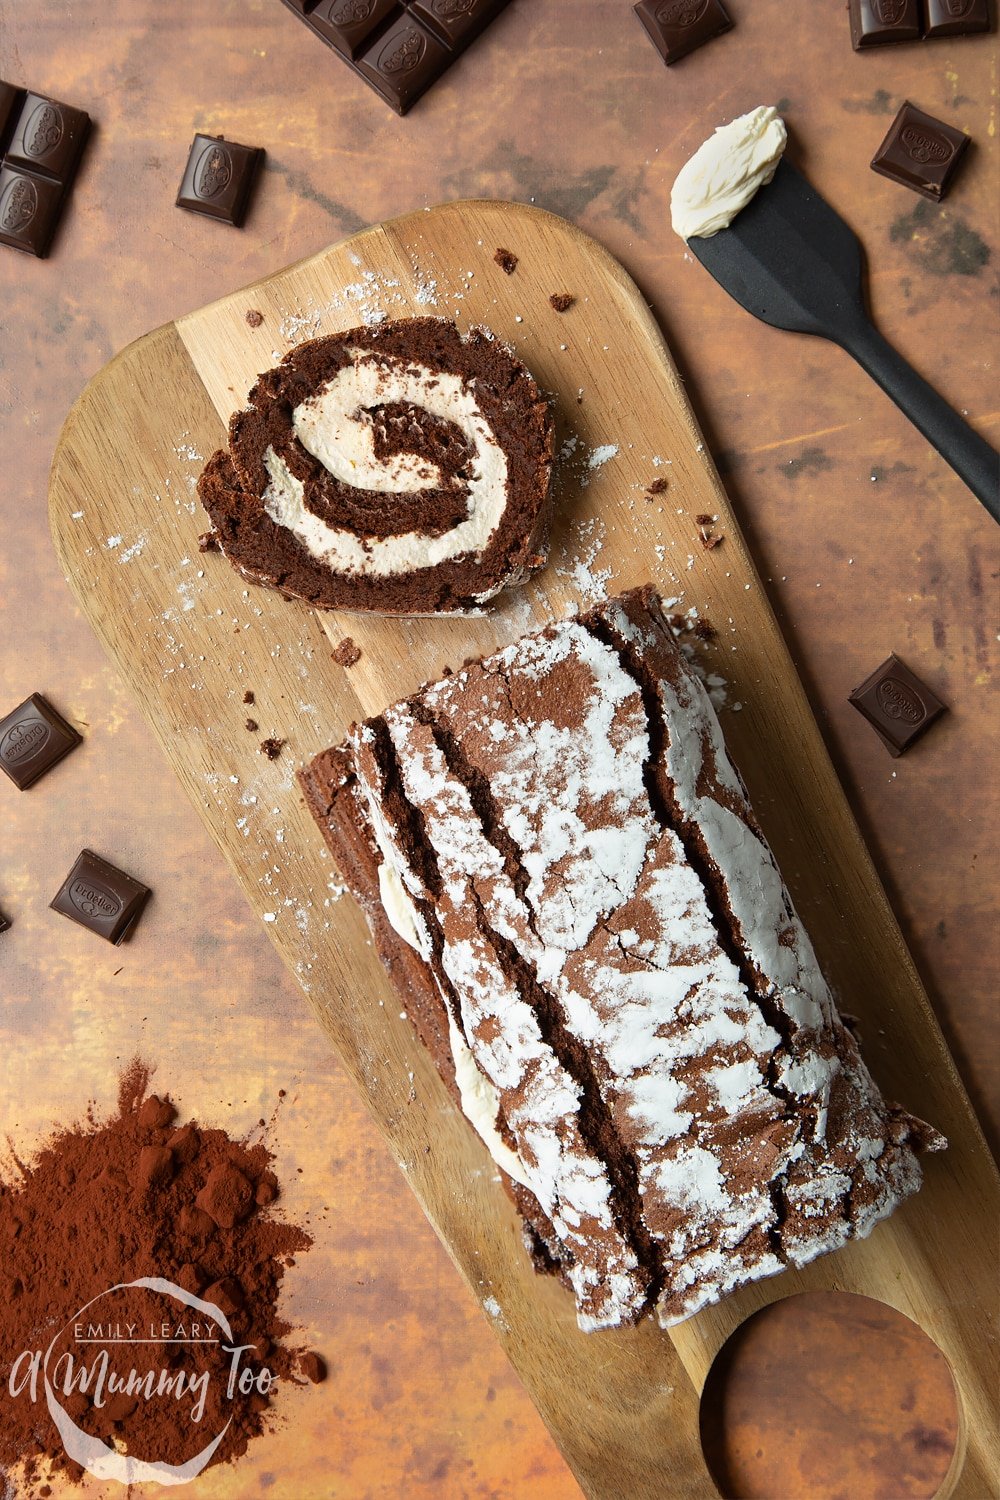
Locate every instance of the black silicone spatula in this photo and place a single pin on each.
(789, 259)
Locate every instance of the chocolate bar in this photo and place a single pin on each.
(33, 737)
(399, 47)
(41, 142)
(955, 17)
(876, 22)
(897, 705)
(920, 152)
(218, 178)
(677, 27)
(101, 897)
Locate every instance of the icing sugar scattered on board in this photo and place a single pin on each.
(590, 581)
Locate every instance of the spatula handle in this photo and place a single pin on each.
(970, 456)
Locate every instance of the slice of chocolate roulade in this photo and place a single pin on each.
(403, 468)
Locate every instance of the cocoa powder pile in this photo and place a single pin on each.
(105, 1203)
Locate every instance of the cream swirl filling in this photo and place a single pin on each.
(334, 427)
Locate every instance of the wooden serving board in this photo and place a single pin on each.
(189, 639)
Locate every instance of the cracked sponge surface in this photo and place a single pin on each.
(568, 884)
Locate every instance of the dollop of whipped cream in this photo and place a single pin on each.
(725, 173)
(334, 426)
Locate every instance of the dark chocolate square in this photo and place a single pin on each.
(897, 704)
(876, 22)
(11, 99)
(955, 17)
(350, 25)
(920, 152)
(403, 63)
(33, 737)
(218, 178)
(48, 137)
(677, 27)
(101, 897)
(30, 207)
(456, 22)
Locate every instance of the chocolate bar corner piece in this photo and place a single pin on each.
(677, 27)
(100, 897)
(897, 705)
(399, 47)
(955, 17)
(219, 178)
(403, 63)
(875, 23)
(920, 152)
(33, 738)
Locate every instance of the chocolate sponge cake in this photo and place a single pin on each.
(403, 468)
(569, 887)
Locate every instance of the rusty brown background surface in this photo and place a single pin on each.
(867, 541)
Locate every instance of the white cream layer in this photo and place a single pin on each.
(480, 1099)
(725, 173)
(335, 426)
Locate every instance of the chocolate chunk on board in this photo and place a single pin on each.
(874, 23)
(677, 27)
(955, 17)
(218, 178)
(920, 152)
(41, 141)
(897, 705)
(399, 47)
(33, 737)
(101, 897)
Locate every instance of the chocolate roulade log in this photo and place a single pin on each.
(568, 885)
(403, 468)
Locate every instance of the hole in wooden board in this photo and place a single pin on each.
(829, 1396)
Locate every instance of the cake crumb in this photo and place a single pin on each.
(347, 653)
(272, 748)
(657, 487)
(506, 260)
(248, 696)
(208, 542)
(252, 726)
(561, 301)
(253, 317)
(708, 537)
